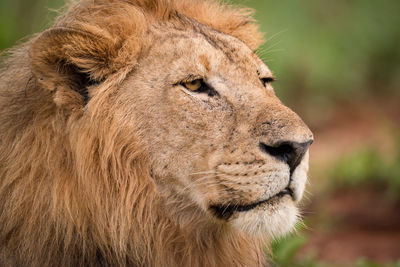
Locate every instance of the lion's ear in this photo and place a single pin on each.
(71, 59)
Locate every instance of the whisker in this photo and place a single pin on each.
(271, 51)
(276, 35)
(202, 180)
(269, 48)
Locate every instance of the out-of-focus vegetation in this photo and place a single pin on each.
(20, 18)
(368, 167)
(324, 54)
(322, 50)
(284, 253)
(285, 249)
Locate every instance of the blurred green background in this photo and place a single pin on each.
(338, 66)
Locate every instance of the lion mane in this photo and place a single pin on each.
(74, 189)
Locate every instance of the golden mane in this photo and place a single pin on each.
(74, 198)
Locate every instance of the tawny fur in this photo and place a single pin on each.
(77, 189)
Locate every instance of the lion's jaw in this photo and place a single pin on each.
(206, 148)
(279, 214)
(259, 199)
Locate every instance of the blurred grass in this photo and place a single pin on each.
(19, 18)
(368, 167)
(285, 254)
(327, 50)
(284, 250)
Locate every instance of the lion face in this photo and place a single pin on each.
(146, 133)
(217, 136)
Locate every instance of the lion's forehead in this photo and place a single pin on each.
(207, 49)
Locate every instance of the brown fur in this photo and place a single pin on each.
(77, 187)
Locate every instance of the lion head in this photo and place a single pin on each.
(146, 133)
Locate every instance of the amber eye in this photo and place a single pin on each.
(194, 85)
(199, 86)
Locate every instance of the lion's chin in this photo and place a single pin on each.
(270, 221)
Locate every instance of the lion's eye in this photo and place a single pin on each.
(199, 86)
(267, 80)
(194, 85)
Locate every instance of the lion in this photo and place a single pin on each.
(145, 133)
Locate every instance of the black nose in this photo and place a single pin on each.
(287, 151)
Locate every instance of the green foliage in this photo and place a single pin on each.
(367, 263)
(285, 249)
(321, 50)
(358, 168)
(367, 166)
(285, 253)
(20, 18)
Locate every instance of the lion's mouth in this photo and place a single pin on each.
(225, 211)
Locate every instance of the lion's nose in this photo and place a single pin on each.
(287, 151)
